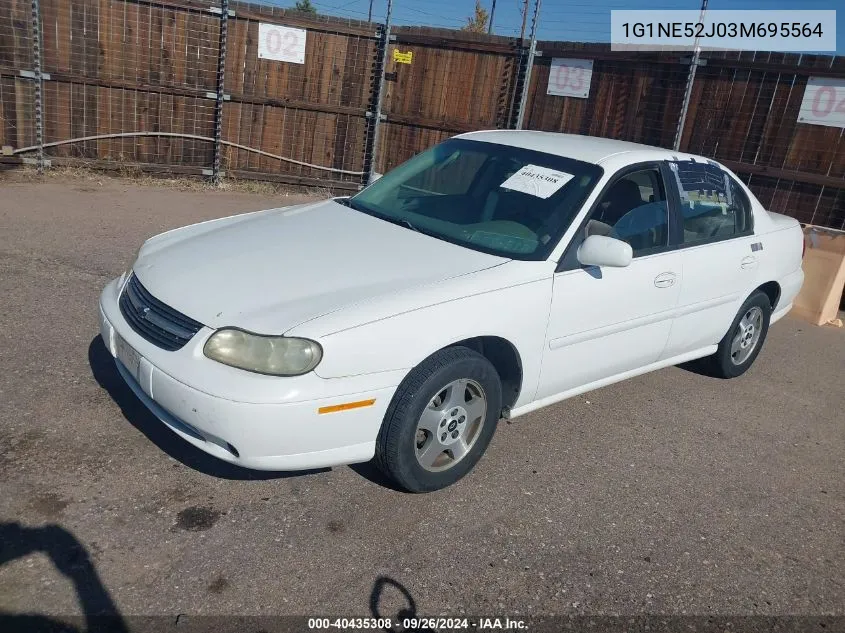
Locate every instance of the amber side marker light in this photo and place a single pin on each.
(346, 406)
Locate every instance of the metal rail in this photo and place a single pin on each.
(196, 137)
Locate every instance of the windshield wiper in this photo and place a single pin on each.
(400, 222)
(347, 202)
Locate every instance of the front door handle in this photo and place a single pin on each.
(665, 280)
(748, 262)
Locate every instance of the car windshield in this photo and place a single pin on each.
(503, 200)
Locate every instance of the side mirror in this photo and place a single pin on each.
(599, 250)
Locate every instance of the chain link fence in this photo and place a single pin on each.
(18, 83)
(219, 88)
(747, 111)
(132, 82)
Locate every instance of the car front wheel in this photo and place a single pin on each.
(440, 420)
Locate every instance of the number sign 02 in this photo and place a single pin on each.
(570, 77)
(281, 43)
(824, 102)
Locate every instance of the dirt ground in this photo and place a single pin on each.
(670, 493)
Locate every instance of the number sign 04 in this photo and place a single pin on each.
(570, 77)
(281, 43)
(824, 102)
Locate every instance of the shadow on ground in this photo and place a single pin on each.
(370, 472)
(105, 373)
(698, 367)
(71, 559)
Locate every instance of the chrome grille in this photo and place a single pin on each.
(157, 322)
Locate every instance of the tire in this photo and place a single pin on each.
(734, 356)
(423, 423)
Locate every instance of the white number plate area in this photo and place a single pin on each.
(281, 43)
(570, 77)
(824, 102)
(127, 355)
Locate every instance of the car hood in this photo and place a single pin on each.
(269, 271)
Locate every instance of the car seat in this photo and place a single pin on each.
(623, 196)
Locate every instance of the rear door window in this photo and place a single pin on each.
(713, 205)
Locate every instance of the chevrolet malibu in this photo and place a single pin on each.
(494, 274)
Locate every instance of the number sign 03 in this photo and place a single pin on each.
(824, 102)
(570, 77)
(281, 43)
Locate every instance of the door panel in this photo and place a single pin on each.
(720, 267)
(717, 278)
(607, 321)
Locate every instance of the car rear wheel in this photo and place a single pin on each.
(440, 420)
(739, 348)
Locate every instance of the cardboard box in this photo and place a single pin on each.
(824, 275)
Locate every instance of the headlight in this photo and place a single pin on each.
(274, 355)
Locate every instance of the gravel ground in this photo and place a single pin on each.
(670, 493)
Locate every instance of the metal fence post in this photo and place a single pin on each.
(513, 87)
(221, 77)
(36, 62)
(371, 152)
(526, 82)
(696, 55)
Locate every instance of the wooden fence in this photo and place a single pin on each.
(743, 111)
(138, 81)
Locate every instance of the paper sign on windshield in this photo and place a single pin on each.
(537, 181)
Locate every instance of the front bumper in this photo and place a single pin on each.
(274, 426)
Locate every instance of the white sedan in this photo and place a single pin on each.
(494, 274)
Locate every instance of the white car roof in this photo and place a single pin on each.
(590, 149)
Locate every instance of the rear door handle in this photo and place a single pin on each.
(665, 280)
(748, 262)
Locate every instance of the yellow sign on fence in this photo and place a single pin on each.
(402, 58)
